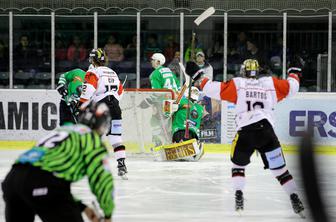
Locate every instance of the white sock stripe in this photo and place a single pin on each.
(120, 154)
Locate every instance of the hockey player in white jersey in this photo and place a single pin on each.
(101, 84)
(255, 100)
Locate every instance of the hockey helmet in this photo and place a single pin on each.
(96, 116)
(98, 57)
(194, 93)
(250, 68)
(159, 57)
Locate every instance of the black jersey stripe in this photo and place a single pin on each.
(64, 158)
(92, 161)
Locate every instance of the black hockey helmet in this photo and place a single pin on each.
(98, 57)
(96, 116)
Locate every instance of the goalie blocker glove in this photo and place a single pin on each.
(194, 71)
(62, 90)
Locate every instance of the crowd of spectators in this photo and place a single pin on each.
(72, 52)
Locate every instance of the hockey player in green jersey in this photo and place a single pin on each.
(40, 179)
(162, 77)
(69, 87)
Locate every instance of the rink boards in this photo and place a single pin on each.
(26, 115)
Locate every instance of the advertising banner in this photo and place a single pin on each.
(27, 114)
(30, 114)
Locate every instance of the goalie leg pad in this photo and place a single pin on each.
(177, 151)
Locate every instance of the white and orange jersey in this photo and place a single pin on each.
(101, 82)
(255, 99)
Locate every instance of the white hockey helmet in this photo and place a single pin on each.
(159, 57)
(194, 93)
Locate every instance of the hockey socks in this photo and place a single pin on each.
(285, 179)
(238, 177)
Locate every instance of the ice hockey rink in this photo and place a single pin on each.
(197, 191)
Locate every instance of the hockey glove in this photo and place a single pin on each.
(72, 100)
(295, 70)
(194, 71)
(62, 90)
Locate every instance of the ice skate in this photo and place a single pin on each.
(297, 205)
(122, 170)
(239, 201)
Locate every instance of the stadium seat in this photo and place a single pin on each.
(4, 79)
(22, 77)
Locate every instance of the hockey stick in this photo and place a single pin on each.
(309, 173)
(185, 86)
(97, 211)
(206, 14)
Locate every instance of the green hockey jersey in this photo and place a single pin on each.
(195, 117)
(163, 78)
(72, 152)
(73, 81)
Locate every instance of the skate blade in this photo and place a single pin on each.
(239, 211)
(124, 177)
(302, 215)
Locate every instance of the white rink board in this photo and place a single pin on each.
(29, 114)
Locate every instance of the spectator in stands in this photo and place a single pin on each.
(76, 52)
(275, 56)
(174, 65)
(60, 50)
(203, 64)
(208, 72)
(4, 62)
(130, 51)
(114, 51)
(217, 49)
(255, 53)
(151, 47)
(171, 48)
(241, 44)
(24, 55)
(187, 54)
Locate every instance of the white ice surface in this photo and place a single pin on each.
(196, 191)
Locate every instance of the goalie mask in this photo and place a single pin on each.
(194, 93)
(96, 116)
(98, 57)
(250, 68)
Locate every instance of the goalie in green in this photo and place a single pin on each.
(189, 149)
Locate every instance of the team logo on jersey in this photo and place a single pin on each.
(194, 114)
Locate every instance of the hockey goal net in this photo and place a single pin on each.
(144, 125)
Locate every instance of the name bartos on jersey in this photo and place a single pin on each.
(256, 95)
